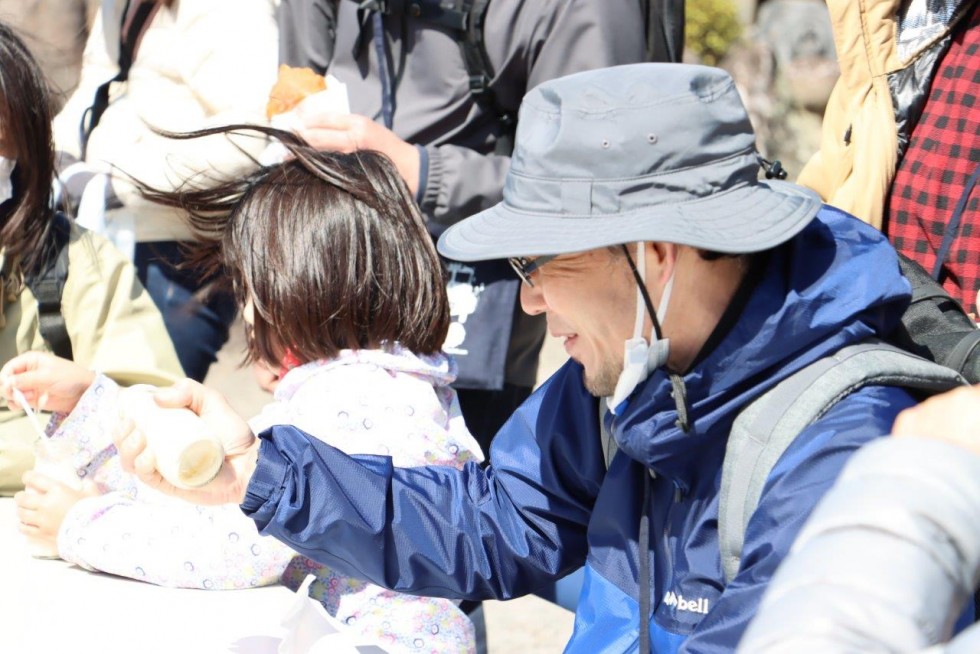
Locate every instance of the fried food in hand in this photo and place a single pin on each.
(292, 85)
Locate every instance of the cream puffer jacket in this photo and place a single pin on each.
(200, 63)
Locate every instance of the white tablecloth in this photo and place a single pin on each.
(52, 607)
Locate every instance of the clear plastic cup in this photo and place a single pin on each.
(52, 458)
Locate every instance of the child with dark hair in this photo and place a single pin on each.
(335, 271)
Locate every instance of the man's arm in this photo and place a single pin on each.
(434, 530)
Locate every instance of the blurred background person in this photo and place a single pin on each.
(901, 133)
(176, 66)
(96, 312)
(891, 555)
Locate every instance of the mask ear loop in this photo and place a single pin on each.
(641, 285)
(680, 391)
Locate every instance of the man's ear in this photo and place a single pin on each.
(661, 258)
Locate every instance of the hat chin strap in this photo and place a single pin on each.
(639, 357)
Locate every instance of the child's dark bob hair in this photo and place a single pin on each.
(331, 249)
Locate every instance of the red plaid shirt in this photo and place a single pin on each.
(944, 151)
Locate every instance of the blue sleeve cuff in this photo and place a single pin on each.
(423, 173)
(267, 483)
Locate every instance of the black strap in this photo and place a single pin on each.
(481, 73)
(953, 226)
(47, 283)
(664, 27)
(127, 53)
(958, 358)
(467, 17)
(384, 73)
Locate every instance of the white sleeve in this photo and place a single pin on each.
(886, 562)
(170, 542)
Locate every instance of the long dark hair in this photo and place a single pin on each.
(25, 123)
(331, 249)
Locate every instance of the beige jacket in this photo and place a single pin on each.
(859, 147)
(114, 328)
(200, 63)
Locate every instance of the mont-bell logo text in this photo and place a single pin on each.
(678, 603)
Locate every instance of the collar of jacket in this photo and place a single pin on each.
(814, 296)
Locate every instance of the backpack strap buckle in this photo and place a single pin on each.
(479, 84)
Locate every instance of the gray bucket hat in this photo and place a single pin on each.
(645, 152)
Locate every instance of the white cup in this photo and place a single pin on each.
(188, 454)
(52, 458)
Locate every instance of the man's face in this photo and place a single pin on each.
(590, 302)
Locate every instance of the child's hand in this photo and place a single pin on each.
(48, 383)
(44, 503)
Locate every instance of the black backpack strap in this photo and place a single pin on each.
(664, 26)
(958, 358)
(935, 326)
(467, 18)
(481, 73)
(953, 226)
(48, 284)
(127, 53)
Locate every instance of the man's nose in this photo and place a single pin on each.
(532, 300)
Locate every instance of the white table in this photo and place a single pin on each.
(52, 607)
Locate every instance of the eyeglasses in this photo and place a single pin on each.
(524, 266)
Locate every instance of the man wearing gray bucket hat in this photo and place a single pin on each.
(683, 289)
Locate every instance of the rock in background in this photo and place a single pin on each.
(784, 63)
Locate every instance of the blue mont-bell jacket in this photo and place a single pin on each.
(548, 504)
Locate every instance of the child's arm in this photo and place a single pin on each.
(169, 542)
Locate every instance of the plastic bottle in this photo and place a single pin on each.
(188, 454)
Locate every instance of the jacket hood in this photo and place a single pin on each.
(836, 283)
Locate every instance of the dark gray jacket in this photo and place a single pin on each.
(527, 42)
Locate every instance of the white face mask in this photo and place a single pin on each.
(6, 184)
(639, 357)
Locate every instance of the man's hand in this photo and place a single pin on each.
(48, 382)
(44, 503)
(952, 417)
(338, 132)
(241, 446)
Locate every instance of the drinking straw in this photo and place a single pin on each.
(31, 416)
